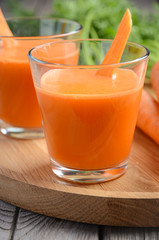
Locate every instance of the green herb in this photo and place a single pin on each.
(100, 19)
(18, 9)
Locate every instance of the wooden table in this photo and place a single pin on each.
(20, 224)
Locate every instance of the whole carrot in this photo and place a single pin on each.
(148, 116)
(155, 78)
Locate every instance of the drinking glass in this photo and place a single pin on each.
(89, 110)
(19, 109)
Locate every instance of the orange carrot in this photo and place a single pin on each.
(5, 31)
(148, 116)
(115, 52)
(155, 79)
(4, 28)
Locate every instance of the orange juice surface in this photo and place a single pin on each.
(18, 101)
(89, 119)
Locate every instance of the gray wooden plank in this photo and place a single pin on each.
(125, 233)
(35, 226)
(7, 213)
(121, 233)
(152, 234)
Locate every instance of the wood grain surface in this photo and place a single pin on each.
(7, 215)
(24, 225)
(27, 181)
(122, 233)
(35, 226)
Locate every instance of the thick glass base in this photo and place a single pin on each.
(93, 176)
(21, 133)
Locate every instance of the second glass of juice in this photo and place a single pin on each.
(19, 109)
(89, 110)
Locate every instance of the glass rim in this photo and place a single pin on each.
(64, 20)
(58, 65)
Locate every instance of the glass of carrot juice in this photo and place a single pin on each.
(89, 110)
(19, 110)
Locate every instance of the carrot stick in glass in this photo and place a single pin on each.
(116, 50)
(5, 31)
(4, 28)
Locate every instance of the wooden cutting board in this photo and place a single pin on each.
(26, 180)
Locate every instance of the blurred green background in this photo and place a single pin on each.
(99, 18)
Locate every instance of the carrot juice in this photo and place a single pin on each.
(89, 109)
(19, 109)
(18, 101)
(89, 119)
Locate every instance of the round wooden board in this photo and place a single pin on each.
(26, 180)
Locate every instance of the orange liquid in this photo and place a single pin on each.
(89, 120)
(18, 101)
